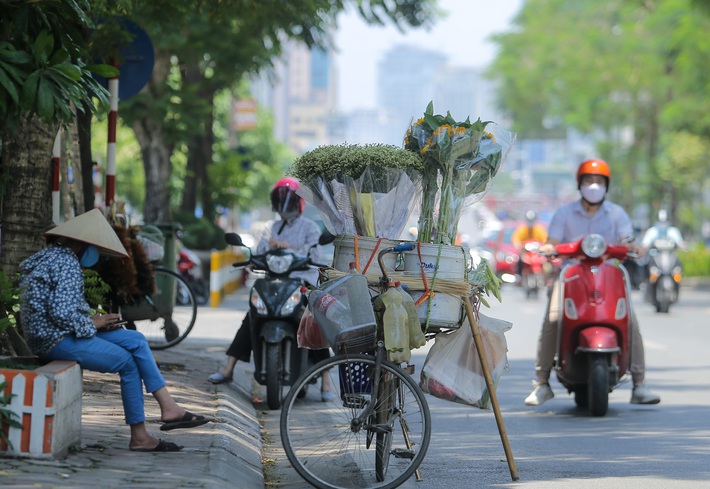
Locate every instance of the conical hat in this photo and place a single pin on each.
(93, 228)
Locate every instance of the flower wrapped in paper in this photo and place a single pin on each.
(460, 160)
(366, 190)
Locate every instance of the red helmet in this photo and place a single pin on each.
(284, 198)
(594, 167)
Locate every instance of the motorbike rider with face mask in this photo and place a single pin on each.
(299, 234)
(591, 214)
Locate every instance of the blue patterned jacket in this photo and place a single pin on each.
(52, 305)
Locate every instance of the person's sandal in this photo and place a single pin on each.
(327, 396)
(219, 378)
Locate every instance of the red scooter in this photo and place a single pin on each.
(593, 334)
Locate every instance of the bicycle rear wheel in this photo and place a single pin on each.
(174, 311)
(330, 451)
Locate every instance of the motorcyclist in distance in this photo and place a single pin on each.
(662, 229)
(592, 213)
(530, 230)
(294, 232)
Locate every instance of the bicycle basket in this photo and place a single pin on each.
(355, 383)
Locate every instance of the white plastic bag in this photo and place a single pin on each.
(452, 370)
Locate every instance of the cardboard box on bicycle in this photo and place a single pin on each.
(437, 262)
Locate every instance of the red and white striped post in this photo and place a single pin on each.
(111, 150)
(56, 156)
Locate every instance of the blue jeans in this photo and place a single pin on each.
(120, 351)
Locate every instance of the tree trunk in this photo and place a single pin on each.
(189, 193)
(26, 175)
(157, 167)
(206, 153)
(200, 152)
(199, 158)
(83, 124)
(27, 203)
(155, 149)
(77, 186)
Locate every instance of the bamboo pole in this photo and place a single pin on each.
(491, 388)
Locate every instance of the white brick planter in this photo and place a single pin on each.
(47, 401)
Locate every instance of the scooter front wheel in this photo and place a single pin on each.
(274, 377)
(598, 386)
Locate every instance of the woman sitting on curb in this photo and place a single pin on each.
(58, 325)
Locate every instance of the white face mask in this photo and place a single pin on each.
(593, 193)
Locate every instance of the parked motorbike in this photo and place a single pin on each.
(190, 268)
(593, 333)
(535, 269)
(664, 274)
(276, 305)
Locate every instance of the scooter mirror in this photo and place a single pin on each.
(233, 239)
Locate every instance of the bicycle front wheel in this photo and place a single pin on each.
(175, 311)
(329, 448)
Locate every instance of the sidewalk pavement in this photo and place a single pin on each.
(226, 452)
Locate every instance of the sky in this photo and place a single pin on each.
(462, 35)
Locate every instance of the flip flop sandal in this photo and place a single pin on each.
(163, 446)
(189, 420)
(218, 378)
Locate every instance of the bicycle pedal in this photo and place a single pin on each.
(403, 453)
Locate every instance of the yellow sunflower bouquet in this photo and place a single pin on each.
(460, 160)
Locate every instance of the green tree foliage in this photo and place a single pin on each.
(209, 46)
(634, 75)
(42, 68)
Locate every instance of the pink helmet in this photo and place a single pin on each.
(284, 198)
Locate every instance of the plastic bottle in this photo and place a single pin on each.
(352, 268)
(394, 322)
(331, 314)
(416, 336)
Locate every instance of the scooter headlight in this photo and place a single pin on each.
(291, 303)
(594, 245)
(256, 301)
(279, 264)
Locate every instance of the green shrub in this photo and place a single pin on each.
(7, 417)
(9, 302)
(696, 261)
(199, 233)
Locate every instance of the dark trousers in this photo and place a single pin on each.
(241, 345)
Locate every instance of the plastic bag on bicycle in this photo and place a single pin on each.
(452, 370)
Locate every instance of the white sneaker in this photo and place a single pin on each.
(642, 395)
(542, 393)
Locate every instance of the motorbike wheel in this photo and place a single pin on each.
(581, 396)
(274, 379)
(598, 386)
(202, 292)
(663, 300)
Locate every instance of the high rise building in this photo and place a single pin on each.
(300, 92)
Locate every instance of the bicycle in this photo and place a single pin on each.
(167, 317)
(330, 444)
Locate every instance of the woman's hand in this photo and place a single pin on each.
(105, 322)
(276, 244)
